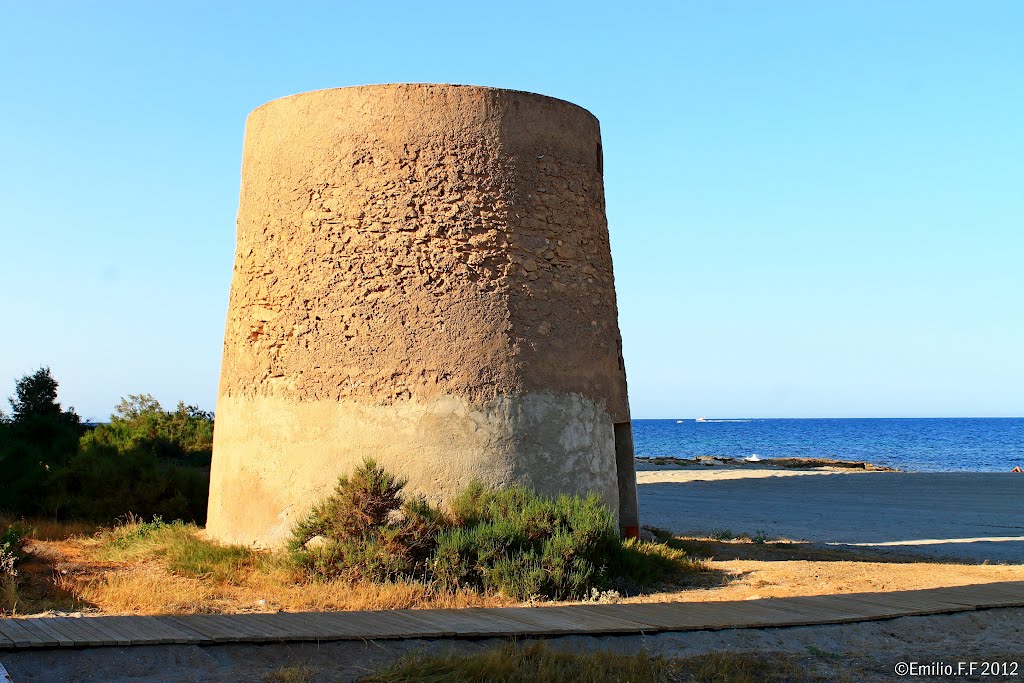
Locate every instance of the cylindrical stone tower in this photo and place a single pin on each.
(422, 276)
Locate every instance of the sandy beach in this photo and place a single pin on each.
(967, 516)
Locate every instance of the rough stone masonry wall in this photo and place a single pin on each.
(422, 275)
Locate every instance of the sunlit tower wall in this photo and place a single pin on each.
(423, 276)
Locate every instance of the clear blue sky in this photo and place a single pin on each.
(816, 208)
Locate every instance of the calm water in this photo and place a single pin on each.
(922, 445)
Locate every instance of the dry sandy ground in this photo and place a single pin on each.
(873, 509)
(885, 517)
(969, 516)
(867, 651)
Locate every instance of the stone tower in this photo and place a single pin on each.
(423, 276)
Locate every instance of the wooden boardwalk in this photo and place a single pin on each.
(54, 632)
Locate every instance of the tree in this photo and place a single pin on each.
(135, 406)
(35, 442)
(35, 396)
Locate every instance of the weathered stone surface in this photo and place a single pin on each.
(422, 275)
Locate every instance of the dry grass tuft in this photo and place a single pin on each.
(297, 673)
(150, 589)
(536, 661)
(158, 568)
(54, 530)
(9, 597)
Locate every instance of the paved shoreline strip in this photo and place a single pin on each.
(478, 622)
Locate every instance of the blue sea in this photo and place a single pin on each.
(911, 444)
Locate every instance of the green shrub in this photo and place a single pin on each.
(359, 506)
(368, 530)
(524, 545)
(12, 543)
(511, 541)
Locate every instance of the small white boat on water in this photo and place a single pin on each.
(701, 419)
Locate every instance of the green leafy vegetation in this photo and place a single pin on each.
(12, 543)
(536, 661)
(510, 541)
(145, 461)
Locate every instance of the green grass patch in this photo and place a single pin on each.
(179, 545)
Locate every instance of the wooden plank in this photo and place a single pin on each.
(321, 628)
(812, 610)
(850, 606)
(148, 630)
(762, 613)
(131, 627)
(5, 644)
(18, 634)
(246, 631)
(44, 634)
(115, 635)
(594, 621)
(96, 636)
(145, 630)
(1000, 587)
(627, 617)
(135, 627)
(485, 622)
(43, 624)
(212, 631)
(268, 624)
(68, 634)
(361, 625)
(909, 605)
(630, 613)
(898, 599)
(194, 637)
(241, 631)
(466, 623)
(228, 631)
(83, 637)
(300, 627)
(540, 621)
(715, 615)
(386, 625)
(167, 633)
(1003, 594)
(396, 624)
(284, 626)
(478, 622)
